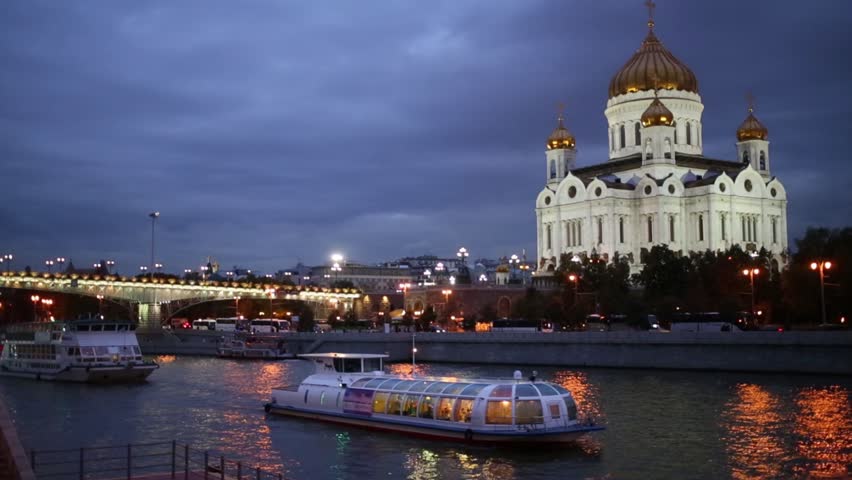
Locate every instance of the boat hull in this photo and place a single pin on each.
(438, 432)
(99, 374)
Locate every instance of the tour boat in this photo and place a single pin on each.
(352, 389)
(253, 346)
(77, 351)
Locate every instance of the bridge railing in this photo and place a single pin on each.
(157, 460)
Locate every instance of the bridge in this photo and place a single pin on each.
(155, 299)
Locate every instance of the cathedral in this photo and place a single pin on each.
(657, 187)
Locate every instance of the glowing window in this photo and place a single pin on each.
(502, 391)
(525, 391)
(499, 412)
(445, 409)
(528, 411)
(462, 413)
(380, 402)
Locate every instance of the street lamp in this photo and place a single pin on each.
(576, 280)
(463, 254)
(35, 299)
(49, 264)
(100, 305)
(514, 261)
(524, 269)
(60, 261)
(750, 273)
(335, 268)
(158, 266)
(143, 269)
(110, 264)
(822, 266)
(204, 269)
(8, 259)
(483, 278)
(337, 257)
(154, 216)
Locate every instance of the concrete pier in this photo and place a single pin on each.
(794, 352)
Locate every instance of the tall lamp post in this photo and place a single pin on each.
(7, 258)
(514, 261)
(109, 265)
(154, 216)
(61, 262)
(822, 266)
(49, 265)
(463, 254)
(35, 299)
(575, 279)
(750, 273)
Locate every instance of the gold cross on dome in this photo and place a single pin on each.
(651, 5)
(560, 109)
(750, 100)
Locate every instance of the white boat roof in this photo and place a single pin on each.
(343, 355)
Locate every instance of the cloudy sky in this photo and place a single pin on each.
(268, 132)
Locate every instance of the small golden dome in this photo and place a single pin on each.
(561, 137)
(657, 114)
(651, 66)
(751, 128)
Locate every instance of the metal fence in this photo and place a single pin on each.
(158, 460)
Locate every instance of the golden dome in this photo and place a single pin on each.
(752, 129)
(561, 137)
(652, 66)
(657, 114)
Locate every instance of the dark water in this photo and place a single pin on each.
(661, 424)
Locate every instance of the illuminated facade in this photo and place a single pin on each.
(657, 187)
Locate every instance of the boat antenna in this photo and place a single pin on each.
(413, 352)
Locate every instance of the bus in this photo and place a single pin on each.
(521, 325)
(204, 324)
(265, 325)
(231, 324)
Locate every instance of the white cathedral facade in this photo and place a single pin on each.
(657, 187)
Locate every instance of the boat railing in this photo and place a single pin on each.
(532, 424)
(140, 460)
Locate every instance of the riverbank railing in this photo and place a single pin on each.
(143, 461)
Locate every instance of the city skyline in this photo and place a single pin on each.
(278, 133)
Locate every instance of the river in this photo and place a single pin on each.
(660, 424)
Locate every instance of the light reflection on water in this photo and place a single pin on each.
(660, 424)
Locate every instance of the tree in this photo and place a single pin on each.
(306, 319)
(427, 317)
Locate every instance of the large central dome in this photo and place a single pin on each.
(652, 66)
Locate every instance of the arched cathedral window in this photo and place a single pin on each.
(649, 152)
(637, 133)
(674, 124)
(745, 156)
(650, 230)
(553, 169)
(622, 135)
(549, 237)
(762, 160)
(701, 228)
(688, 133)
(671, 228)
(668, 149)
(621, 230)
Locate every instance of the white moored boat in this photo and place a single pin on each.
(77, 351)
(253, 346)
(352, 389)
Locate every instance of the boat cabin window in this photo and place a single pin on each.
(499, 412)
(528, 411)
(554, 410)
(96, 328)
(427, 407)
(475, 388)
(109, 328)
(380, 402)
(525, 391)
(419, 386)
(82, 328)
(560, 389)
(437, 387)
(372, 364)
(546, 389)
(570, 407)
(404, 385)
(462, 412)
(373, 383)
(455, 388)
(394, 403)
(445, 409)
(389, 384)
(361, 382)
(409, 407)
(502, 391)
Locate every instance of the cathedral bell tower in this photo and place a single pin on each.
(753, 143)
(658, 133)
(561, 153)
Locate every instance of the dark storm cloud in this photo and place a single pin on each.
(270, 131)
